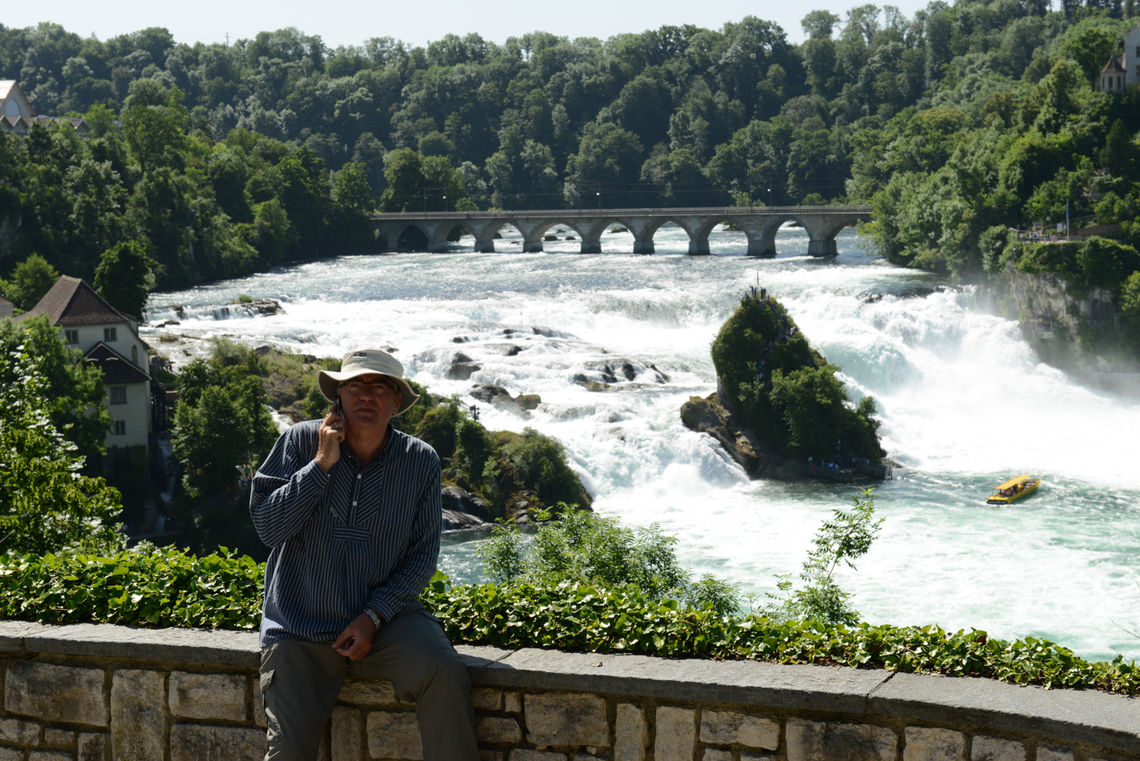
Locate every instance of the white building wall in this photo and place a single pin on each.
(134, 416)
(1132, 57)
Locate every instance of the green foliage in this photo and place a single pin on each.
(124, 277)
(1106, 263)
(784, 391)
(72, 391)
(844, 538)
(582, 617)
(221, 426)
(1130, 310)
(143, 586)
(46, 503)
(30, 280)
(537, 463)
(161, 587)
(581, 547)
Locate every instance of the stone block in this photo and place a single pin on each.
(49, 755)
(749, 755)
(631, 733)
(717, 754)
(1045, 753)
(347, 742)
(559, 719)
(195, 742)
(996, 749)
(56, 693)
(527, 754)
(208, 696)
(676, 734)
(91, 746)
(19, 732)
(498, 730)
(138, 711)
(58, 738)
(732, 728)
(931, 744)
(487, 699)
(394, 735)
(11, 754)
(512, 702)
(371, 693)
(822, 741)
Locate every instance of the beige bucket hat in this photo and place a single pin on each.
(367, 362)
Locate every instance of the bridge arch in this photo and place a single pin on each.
(759, 225)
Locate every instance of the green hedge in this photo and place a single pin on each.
(158, 587)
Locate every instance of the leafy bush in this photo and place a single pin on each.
(537, 463)
(844, 538)
(156, 587)
(581, 617)
(583, 547)
(143, 586)
(46, 503)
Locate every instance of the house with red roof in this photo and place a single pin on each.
(109, 339)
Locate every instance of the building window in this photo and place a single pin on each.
(119, 428)
(71, 336)
(110, 334)
(118, 394)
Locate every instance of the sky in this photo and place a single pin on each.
(351, 22)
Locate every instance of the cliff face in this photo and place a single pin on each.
(1075, 330)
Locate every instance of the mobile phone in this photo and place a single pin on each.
(336, 408)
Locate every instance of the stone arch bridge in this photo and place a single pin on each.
(759, 224)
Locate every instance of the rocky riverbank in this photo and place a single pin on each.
(1073, 329)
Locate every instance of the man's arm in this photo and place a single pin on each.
(287, 487)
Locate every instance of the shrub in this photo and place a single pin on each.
(582, 547)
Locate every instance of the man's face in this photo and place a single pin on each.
(369, 400)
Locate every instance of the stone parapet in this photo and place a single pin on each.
(96, 693)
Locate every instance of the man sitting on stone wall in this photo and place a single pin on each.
(350, 509)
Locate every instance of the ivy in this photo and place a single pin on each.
(163, 587)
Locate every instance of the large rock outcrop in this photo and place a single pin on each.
(779, 410)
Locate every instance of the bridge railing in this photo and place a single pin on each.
(580, 213)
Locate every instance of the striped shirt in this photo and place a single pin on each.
(341, 541)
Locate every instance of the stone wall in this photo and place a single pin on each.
(95, 693)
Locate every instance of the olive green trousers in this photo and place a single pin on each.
(300, 682)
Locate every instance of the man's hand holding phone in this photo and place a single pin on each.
(329, 437)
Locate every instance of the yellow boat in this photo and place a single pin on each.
(1014, 489)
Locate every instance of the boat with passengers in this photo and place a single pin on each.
(1014, 489)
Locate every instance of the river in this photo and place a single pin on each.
(963, 400)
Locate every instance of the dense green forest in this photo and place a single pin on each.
(959, 125)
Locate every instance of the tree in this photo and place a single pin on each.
(73, 390)
(608, 162)
(47, 504)
(844, 538)
(31, 279)
(213, 455)
(124, 277)
(579, 546)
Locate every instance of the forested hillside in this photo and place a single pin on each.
(958, 124)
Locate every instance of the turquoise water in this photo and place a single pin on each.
(964, 404)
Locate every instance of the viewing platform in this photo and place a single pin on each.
(434, 230)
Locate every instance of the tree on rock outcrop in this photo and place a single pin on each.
(779, 399)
